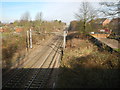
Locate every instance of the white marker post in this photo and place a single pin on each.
(30, 38)
(64, 41)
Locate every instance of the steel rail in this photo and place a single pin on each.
(41, 71)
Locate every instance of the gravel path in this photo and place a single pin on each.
(110, 42)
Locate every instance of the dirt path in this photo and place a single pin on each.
(110, 42)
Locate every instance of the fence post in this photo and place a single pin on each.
(30, 38)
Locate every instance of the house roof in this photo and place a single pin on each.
(19, 29)
(98, 20)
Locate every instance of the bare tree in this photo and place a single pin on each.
(111, 9)
(25, 20)
(25, 16)
(38, 21)
(86, 12)
(39, 16)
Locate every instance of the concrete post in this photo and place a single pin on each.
(64, 40)
(30, 38)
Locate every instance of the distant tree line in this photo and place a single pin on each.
(88, 18)
(38, 23)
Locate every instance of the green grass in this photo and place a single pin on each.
(118, 50)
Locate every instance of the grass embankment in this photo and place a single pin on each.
(83, 66)
(14, 47)
(14, 44)
(118, 50)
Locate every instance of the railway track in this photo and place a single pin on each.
(35, 75)
(15, 71)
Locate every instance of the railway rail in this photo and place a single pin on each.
(35, 75)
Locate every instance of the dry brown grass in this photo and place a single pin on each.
(14, 47)
(83, 66)
(14, 44)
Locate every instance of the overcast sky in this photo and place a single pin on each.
(53, 10)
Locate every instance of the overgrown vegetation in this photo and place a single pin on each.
(89, 21)
(118, 50)
(91, 26)
(12, 48)
(84, 66)
(85, 14)
(14, 43)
